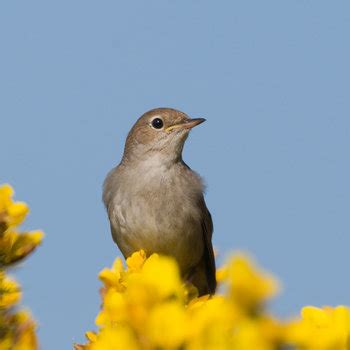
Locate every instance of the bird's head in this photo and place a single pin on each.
(162, 132)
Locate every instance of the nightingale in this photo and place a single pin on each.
(155, 201)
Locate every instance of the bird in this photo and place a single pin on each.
(155, 201)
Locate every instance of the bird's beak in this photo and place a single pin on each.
(188, 124)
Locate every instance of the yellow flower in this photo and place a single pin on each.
(17, 327)
(11, 213)
(147, 306)
(162, 275)
(211, 323)
(6, 342)
(324, 328)
(167, 325)
(221, 274)
(119, 338)
(136, 261)
(36, 237)
(261, 333)
(10, 292)
(158, 280)
(25, 337)
(6, 193)
(114, 309)
(15, 246)
(113, 277)
(91, 336)
(248, 286)
(18, 332)
(17, 213)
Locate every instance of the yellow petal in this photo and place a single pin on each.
(16, 213)
(119, 338)
(167, 325)
(136, 261)
(10, 293)
(6, 193)
(162, 273)
(91, 336)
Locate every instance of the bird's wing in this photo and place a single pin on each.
(208, 254)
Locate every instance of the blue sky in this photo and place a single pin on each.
(272, 80)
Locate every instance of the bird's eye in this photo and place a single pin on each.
(157, 123)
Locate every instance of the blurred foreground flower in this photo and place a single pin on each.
(326, 328)
(146, 306)
(17, 329)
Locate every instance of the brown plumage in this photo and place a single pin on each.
(155, 201)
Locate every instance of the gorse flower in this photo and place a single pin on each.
(248, 287)
(322, 328)
(10, 292)
(147, 306)
(11, 213)
(17, 329)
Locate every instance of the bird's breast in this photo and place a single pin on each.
(156, 209)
